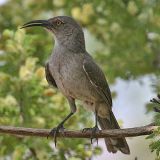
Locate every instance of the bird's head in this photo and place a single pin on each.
(66, 30)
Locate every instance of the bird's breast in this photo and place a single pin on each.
(70, 77)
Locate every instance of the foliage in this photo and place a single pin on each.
(128, 35)
(155, 145)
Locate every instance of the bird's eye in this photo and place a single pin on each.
(58, 22)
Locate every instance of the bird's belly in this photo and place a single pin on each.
(85, 93)
(77, 86)
(72, 82)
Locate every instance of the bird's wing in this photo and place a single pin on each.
(97, 79)
(49, 77)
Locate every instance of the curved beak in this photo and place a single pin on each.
(42, 23)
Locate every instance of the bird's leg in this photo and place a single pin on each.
(93, 130)
(60, 127)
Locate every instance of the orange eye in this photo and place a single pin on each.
(58, 22)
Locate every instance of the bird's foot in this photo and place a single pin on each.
(93, 131)
(55, 131)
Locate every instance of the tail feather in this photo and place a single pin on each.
(113, 144)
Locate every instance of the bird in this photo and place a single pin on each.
(72, 70)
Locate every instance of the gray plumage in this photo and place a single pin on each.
(73, 71)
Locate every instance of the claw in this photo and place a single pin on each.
(93, 131)
(55, 131)
(86, 129)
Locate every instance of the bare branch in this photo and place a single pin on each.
(128, 132)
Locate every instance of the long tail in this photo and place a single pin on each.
(113, 144)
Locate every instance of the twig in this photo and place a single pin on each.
(129, 132)
(157, 102)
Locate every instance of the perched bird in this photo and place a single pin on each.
(72, 70)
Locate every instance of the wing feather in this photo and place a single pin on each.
(49, 77)
(97, 79)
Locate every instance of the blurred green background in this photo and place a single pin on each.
(124, 38)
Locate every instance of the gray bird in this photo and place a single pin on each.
(73, 71)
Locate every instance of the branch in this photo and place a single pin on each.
(129, 132)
